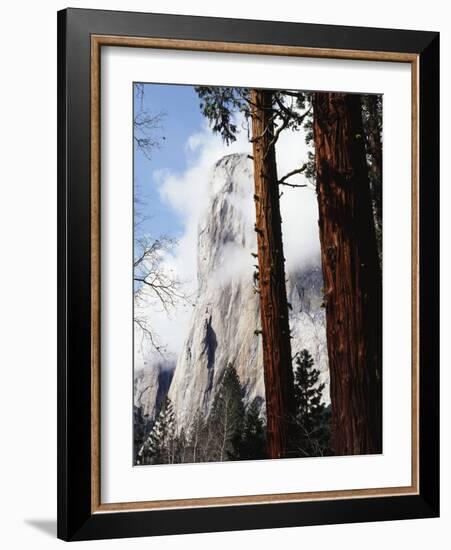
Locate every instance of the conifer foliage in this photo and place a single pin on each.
(253, 442)
(312, 431)
(227, 417)
(160, 445)
(232, 431)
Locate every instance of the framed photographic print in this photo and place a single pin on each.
(248, 274)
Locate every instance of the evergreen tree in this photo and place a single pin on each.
(197, 439)
(312, 432)
(159, 447)
(253, 442)
(306, 390)
(141, 427)
(226, 419)
(181, 448)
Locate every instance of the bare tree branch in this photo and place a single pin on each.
(300, 170)
(146, 127)
(156, 283)
(149, 334)
(145, 132)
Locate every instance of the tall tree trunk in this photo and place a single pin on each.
(372, 128)
(352, 276)
(277, 363)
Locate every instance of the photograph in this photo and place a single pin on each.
(257, 274)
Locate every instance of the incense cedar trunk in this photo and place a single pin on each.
(277, 363)
(352, 276)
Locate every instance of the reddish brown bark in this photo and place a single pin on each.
(352, 277)
(278, 372)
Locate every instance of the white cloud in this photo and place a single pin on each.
(299, 206)
(189, 193)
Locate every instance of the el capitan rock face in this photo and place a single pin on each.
(226, 315)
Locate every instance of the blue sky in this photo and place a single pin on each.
(174, 192)
(175, 189)
(179, 106)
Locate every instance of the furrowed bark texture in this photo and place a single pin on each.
(352, 276)
(278, 372)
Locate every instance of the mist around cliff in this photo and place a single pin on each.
(188, 194)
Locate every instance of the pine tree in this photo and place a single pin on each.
(159, 447)
(225, 422)
(306, 390)
(253, 442)
(141, 427)
(312, 433)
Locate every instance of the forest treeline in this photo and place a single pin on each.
(232, 431)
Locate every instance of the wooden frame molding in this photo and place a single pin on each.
(97, 41)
